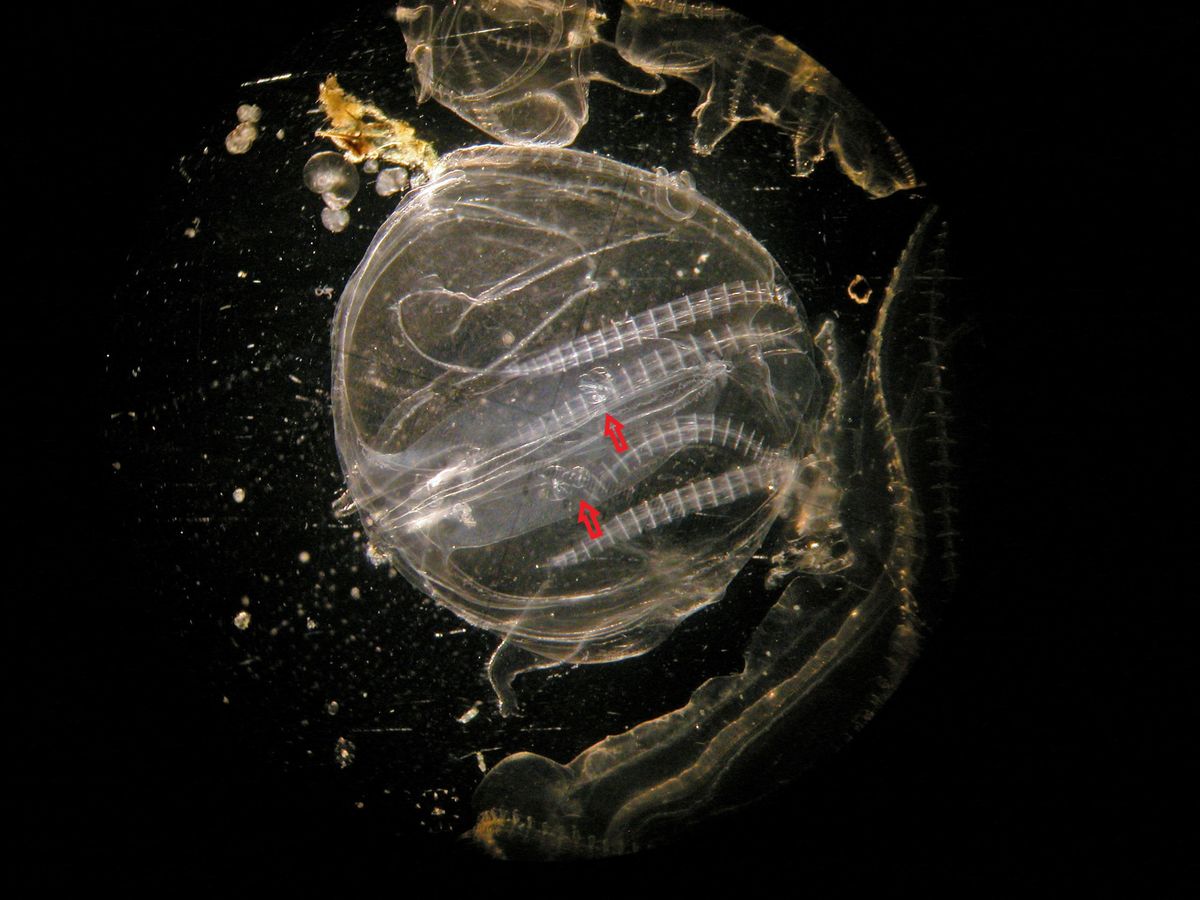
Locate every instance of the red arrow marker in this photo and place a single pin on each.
(590, 519)
(615, 430)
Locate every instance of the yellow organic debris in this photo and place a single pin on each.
(363, 131)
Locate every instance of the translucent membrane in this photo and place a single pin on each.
(825, 656)
(503, 316)
(516, 69)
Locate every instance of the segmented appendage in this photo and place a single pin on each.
(687, 357)
(668, 318)
(661, 440)
(772, 476)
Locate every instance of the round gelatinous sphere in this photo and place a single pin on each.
(571, 397)
(331, 176)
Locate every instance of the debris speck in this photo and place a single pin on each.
(242, 620)
(343, 752)
(859, 289)
(470, 713)
(239, 495)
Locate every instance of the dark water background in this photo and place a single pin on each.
(1006, 755)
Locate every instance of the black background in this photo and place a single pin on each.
(1010, 755)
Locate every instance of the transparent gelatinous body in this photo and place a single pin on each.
(746, 73)
(502, 316)
(516, 69)
(827, 653)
